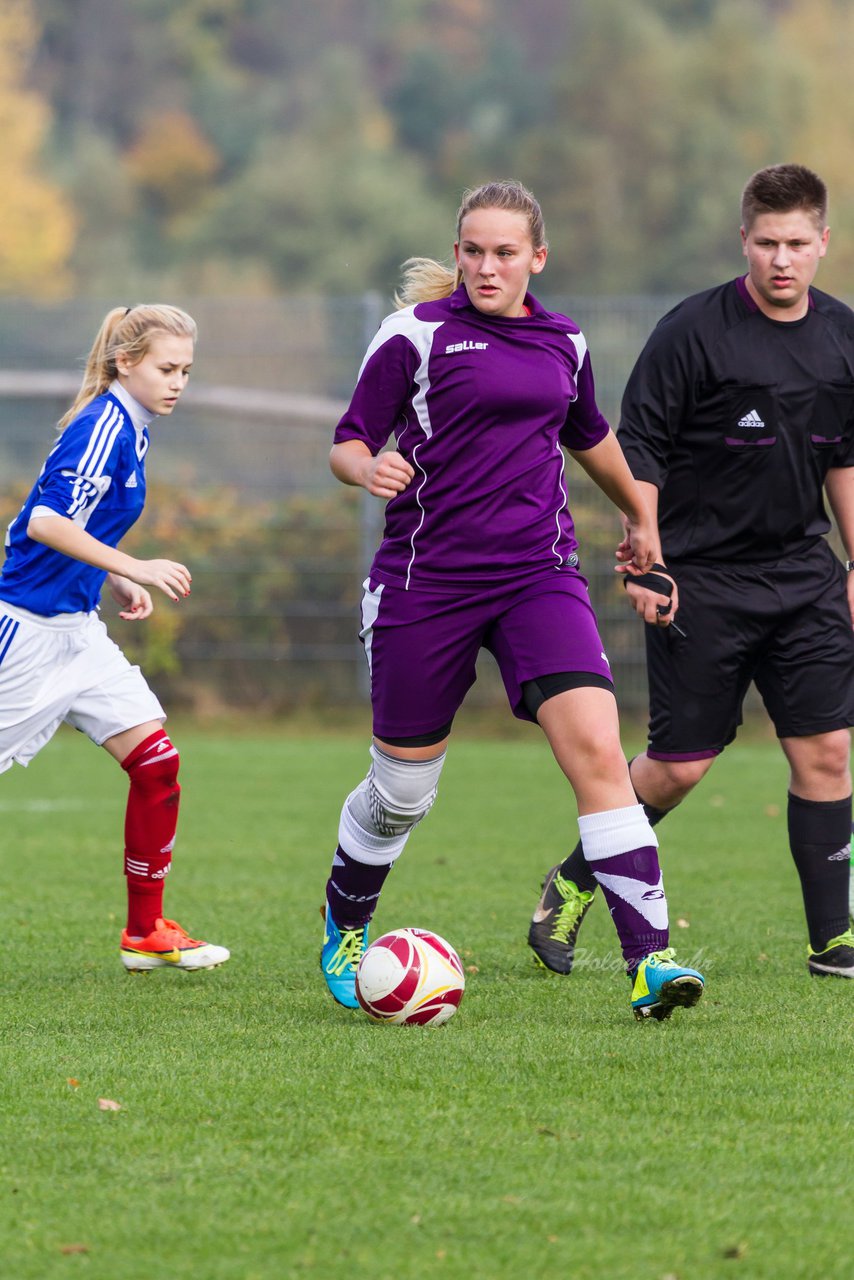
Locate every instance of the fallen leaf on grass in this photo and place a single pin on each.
(472, 968)
(107, 1104)
(682, 923)
(74, 1248)
(75, 1084)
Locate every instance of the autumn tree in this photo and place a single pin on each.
(37, 226)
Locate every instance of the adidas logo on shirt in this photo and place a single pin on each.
(751, 419)
(131, 481)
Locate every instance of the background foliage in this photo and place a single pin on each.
(260, 146)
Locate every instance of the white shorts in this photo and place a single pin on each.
(64, 668)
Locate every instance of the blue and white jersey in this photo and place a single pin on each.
(95, 476)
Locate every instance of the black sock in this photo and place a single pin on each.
(352, 890)
(820, 838)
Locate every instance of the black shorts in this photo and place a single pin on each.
(783, 625)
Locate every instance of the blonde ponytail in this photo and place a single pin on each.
(129, 330)
(425, 280)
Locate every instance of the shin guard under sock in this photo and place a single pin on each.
(151, 820)
(622, 851)
(820, 840)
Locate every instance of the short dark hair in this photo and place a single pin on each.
(781, 188)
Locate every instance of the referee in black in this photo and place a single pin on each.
(737, 420)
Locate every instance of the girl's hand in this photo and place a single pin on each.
(639, 547)
(386, 475)
(134, 601)
(168, 576)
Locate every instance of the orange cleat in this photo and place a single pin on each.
(169, 946)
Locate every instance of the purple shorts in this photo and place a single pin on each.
(422, 646)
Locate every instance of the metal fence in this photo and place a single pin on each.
(239, 487)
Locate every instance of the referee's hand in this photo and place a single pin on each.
(657, 607)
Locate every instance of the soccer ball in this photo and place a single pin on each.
(410, 977)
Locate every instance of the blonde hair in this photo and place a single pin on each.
(425, 280)
(129, 331)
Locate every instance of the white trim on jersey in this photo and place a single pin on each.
(421, 334)
(579, 341)
(563, 507)
(105, 429)
(91, 484)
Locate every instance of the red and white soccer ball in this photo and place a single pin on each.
(410, 977)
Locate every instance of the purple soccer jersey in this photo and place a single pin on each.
(480, 407)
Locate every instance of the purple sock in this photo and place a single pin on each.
(352, 889)
(622, 852)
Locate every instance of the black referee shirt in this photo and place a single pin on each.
(736, 419)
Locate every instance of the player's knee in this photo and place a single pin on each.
(156, 772)
(401, 792)
(396, 795)
(605, 755)
(835, 754)
(822, 761)
(675, 778)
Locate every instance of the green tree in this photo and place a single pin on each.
(334, 205)
(657, 126)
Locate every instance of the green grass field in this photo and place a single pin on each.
(265, 1132)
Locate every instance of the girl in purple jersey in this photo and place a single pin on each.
(57, 662)
(482, 389)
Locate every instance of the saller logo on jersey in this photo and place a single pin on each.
(752, 419)
(453, 347)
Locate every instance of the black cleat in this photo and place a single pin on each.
(837, 959)
(556, 921)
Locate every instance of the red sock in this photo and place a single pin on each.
(150, 823)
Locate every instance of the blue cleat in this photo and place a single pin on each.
(339, 958)
(659, 986)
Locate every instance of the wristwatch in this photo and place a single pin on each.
(849, 565)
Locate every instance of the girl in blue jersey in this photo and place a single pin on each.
(482, 389)
(57, 662)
